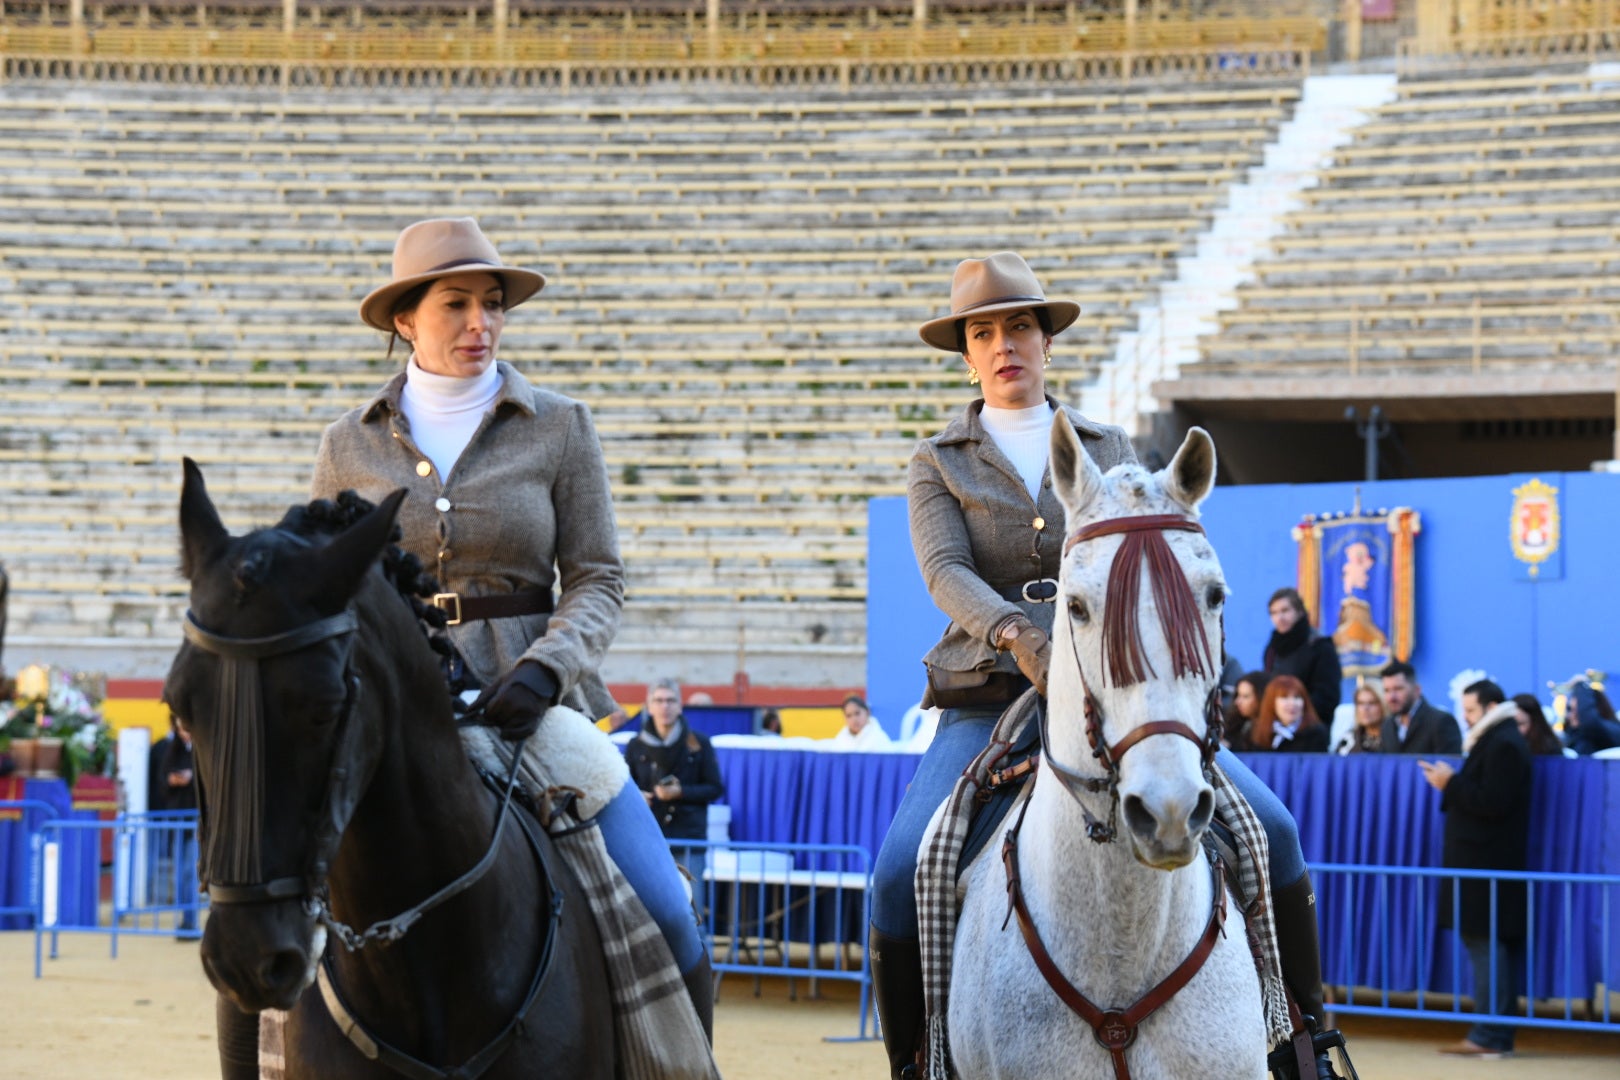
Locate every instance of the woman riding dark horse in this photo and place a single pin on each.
(336, 793)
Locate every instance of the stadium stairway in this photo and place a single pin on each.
(1166, 337)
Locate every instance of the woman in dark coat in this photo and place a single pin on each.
(1487, 808)
(1295, 648)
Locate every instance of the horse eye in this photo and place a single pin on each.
(1078, 611)
(1214, 597)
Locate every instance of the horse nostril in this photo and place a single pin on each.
(1202, 812)
(1138, 817)
(284, 968)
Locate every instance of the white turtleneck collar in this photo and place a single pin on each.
(444, 411)
(1024, 435)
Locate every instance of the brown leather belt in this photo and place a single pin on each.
(471, 608)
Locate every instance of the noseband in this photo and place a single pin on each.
(1125, 653)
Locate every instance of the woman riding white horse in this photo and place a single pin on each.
(1149, 983)
(983, 522)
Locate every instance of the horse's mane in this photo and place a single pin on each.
(323, 519)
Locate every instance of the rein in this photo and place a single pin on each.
(241, 719)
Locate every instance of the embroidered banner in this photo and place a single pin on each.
(1535, 531)
(1356, 575)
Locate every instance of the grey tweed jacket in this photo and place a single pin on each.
(976, 532)
(528, 507)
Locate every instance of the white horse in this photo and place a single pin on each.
(1116, 918)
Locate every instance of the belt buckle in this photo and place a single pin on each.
(443, 602)
(1048, 588)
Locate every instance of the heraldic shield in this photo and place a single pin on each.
(1356, 575)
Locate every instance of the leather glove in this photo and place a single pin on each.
(1031, 649)
(516, 703)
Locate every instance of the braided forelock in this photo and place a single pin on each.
(1123, 652)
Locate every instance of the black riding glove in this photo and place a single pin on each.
(516, 703)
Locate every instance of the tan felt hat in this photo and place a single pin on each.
(437, 248)
(1002, 282)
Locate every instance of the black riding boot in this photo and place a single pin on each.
(1294, 911)
(238, 1034)
(700, 988)
(897, 986)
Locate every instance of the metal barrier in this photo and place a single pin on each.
(1383, 945)
(153, 881)
(772, 909)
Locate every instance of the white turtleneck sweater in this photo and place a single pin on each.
(1024, 435)
(444, 411)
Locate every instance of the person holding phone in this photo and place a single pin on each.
(677, 772)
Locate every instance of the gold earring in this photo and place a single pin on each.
(973, 375)
(1048, 357)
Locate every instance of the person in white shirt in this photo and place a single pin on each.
(860, 731)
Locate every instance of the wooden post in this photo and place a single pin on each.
(289, 16)
(1128, 60)
(1352, 30)
(714, 29)
(919, 13)
(503, 14)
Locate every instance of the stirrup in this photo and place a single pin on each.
(1282, 1065)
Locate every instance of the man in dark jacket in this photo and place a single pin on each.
(1487, 808)
(1298, 650)
(1413, 726)
(676, 769)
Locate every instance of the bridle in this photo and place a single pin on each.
(1108, 754)
(343, 789)
(1116, 1028)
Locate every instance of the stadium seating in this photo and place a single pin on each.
(1469, 227)
(735, 286)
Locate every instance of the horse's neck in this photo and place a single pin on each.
(1098, 909)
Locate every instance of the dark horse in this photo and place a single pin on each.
(336, 794)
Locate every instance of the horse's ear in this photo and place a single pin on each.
(1075, 477)
(202, 534)
(1191, 474)
(340, 566)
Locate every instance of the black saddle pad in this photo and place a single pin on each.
(988, 815)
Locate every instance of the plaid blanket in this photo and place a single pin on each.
(657, 1032)
(936, 883)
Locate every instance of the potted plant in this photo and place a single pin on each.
(53, 725)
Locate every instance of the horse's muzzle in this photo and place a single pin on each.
(1166, 831)
(260, 957)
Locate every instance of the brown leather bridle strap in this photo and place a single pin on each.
(1114, 526)
(1115, 1029)
(1157, 727)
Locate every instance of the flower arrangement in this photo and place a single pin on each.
(51, 703)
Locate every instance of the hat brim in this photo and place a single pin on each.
(941, 333)
(517, 285)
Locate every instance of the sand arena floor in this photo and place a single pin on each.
(148, 1015)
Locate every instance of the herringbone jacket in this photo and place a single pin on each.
(976, 532)
(527, 505)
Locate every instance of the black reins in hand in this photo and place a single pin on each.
(241, 722)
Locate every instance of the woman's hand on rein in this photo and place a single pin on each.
(516, 703)
(1031, 649)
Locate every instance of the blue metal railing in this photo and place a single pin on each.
(1384, 943)
(771, 909)
(30, 814)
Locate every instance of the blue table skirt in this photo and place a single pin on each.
(1373, 809)
(80, 855)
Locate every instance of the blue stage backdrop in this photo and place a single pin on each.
(1477, 607)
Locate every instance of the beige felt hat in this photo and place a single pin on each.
(437, 248)
(1002, 282)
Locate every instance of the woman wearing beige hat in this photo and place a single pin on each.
(507, 498)
(988, 532)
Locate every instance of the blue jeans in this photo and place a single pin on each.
(636, 843)
(1505, 1001)
(962, 734)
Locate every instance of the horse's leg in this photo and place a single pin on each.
(238, 1036)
